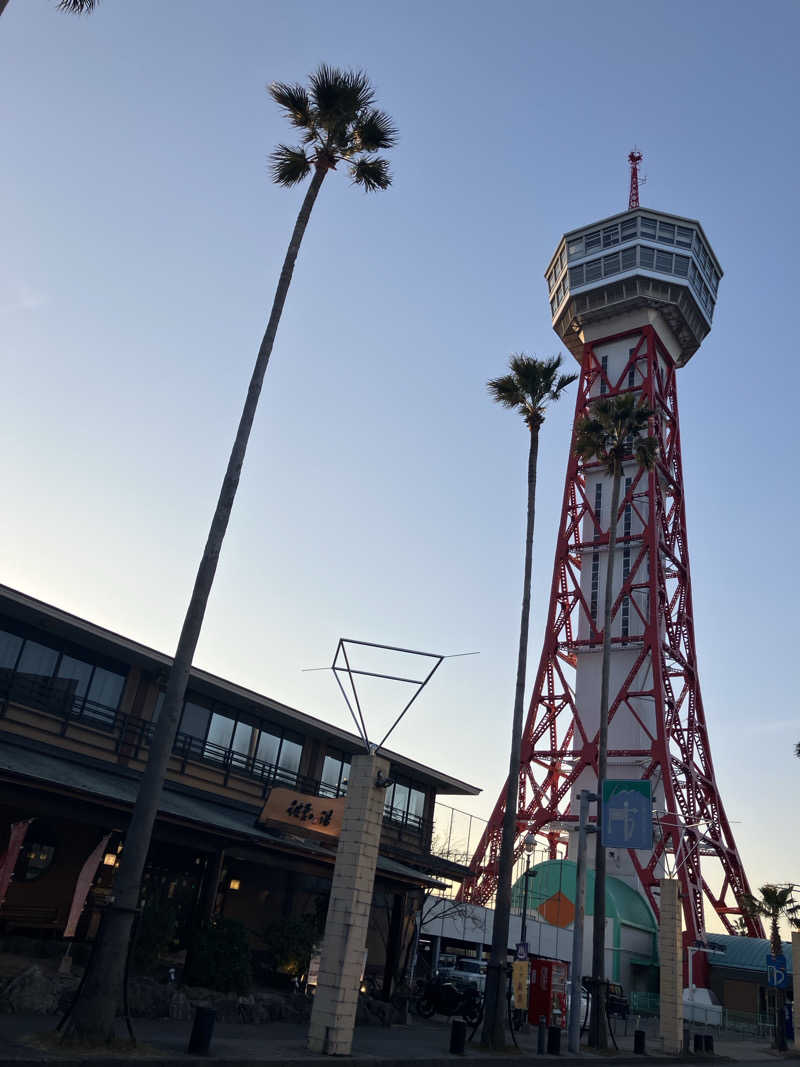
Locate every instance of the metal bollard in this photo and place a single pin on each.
(458, 1037)
(541, 1037)
(708, 1043)
(554, 1041)
(638, 1042)
(698, 1042)
(202, 1031)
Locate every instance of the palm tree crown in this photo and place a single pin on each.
(76, 7)
(777, 902)
(529, 386)
(339, 121)
(612, 432)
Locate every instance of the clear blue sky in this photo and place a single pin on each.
(383, 495)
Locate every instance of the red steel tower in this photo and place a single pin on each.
(632, 297)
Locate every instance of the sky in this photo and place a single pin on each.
(383, 496)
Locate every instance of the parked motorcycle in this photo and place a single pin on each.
(446, 998)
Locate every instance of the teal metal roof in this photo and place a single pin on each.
(744, 953)
(622, 902)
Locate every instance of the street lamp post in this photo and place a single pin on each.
(530, 844)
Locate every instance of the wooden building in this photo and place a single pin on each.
(78, 705)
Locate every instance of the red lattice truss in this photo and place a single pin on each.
(555, 746)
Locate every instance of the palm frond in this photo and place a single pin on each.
(371, 174)
(294, 101)
(289, 165)
(506, 391)
(77, 7)
(339, 95)
(645, 452)
(374, 131)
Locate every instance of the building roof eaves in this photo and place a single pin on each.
(111, 642)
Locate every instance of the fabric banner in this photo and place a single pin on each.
(85, 879)
(11, 855)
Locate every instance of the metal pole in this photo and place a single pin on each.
(523, 935)
(574, 1031)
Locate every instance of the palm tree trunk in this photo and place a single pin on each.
(93, 1015)
(598, 1023)
(495, 1008)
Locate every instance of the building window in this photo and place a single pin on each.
(666, 232)
(405, 804)
(594, 270)
(646, 257)
(628, 229)
(648, 227)
(592, 241)
(37, 853)
(335, 772)
(58, 680)
(219, 735)
(611, 264)
(604, 375)
(610, 236)
(595, 585)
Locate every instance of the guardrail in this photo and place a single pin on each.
(714, 1016)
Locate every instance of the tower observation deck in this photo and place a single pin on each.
(632, 297)
(636, 260)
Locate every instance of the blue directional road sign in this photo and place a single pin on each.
(627, 814)
(777, 975)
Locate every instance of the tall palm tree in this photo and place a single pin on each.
(73, 7)
(611, 435)
(776, 903)
(338, 123)
(528, 389)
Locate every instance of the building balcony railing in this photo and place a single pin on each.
(130, 737)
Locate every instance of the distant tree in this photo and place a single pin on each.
(338, 123)
(528, 389)
(613, 434)
(776, 903)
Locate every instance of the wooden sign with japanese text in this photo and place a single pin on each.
(299, 811)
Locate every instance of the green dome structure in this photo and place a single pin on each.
(551, 897)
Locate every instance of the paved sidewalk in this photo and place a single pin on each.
(162, 1043)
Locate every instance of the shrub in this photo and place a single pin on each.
(218, 957)
(155, 931)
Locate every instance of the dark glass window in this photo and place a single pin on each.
(10, 645)
(220, 731)
(405, 803)
(195, 720)
(291, 751)
(37, 660)
(242, 738)
(44, 676)
(269, 746)
(416, 805)
(335, 772)
(77, 673)
(105, 689)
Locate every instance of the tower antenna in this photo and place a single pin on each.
(634, 158)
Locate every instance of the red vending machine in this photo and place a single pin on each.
(548, 992)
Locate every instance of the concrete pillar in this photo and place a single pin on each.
(670, 951)
(333, 1016)
(796, 985)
